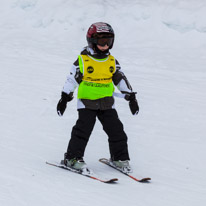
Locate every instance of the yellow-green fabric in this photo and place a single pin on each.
(97, 77)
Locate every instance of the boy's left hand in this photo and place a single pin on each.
(133, 104)
(134, 107)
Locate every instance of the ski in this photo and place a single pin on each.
(107, 162)
(85, 173)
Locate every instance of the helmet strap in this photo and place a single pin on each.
(99, 51)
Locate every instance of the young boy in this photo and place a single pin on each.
(95, 73)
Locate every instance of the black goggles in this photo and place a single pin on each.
(104, 41)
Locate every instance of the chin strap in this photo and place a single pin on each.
(99, 51)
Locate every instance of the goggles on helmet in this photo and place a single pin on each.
(104, 41)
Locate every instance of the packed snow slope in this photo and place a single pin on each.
(161, 46)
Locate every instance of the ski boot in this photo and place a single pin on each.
(76, 164)
(122, 165)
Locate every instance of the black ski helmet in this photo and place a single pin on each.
(99, 30)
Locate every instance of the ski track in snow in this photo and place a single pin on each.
(161, 46)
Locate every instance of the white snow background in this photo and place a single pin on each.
(161, 46)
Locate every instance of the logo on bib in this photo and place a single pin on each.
(90, 69)
(111, 69)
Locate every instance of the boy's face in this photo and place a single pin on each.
(103, 48)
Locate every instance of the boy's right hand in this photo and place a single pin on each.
(62, 104)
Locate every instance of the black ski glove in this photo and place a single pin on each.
(133, 104)
(62, 104)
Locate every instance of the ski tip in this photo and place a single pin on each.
(48, 163)
(103, 160)
(145, 180)
(114, 180)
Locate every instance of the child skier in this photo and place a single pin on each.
(95, 73)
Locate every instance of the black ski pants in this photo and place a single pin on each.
(111, 125)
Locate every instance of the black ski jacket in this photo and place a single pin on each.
(75, 78)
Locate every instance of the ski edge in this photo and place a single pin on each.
(112, 180)
(143, 180)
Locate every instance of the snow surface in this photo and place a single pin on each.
(161, 45)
